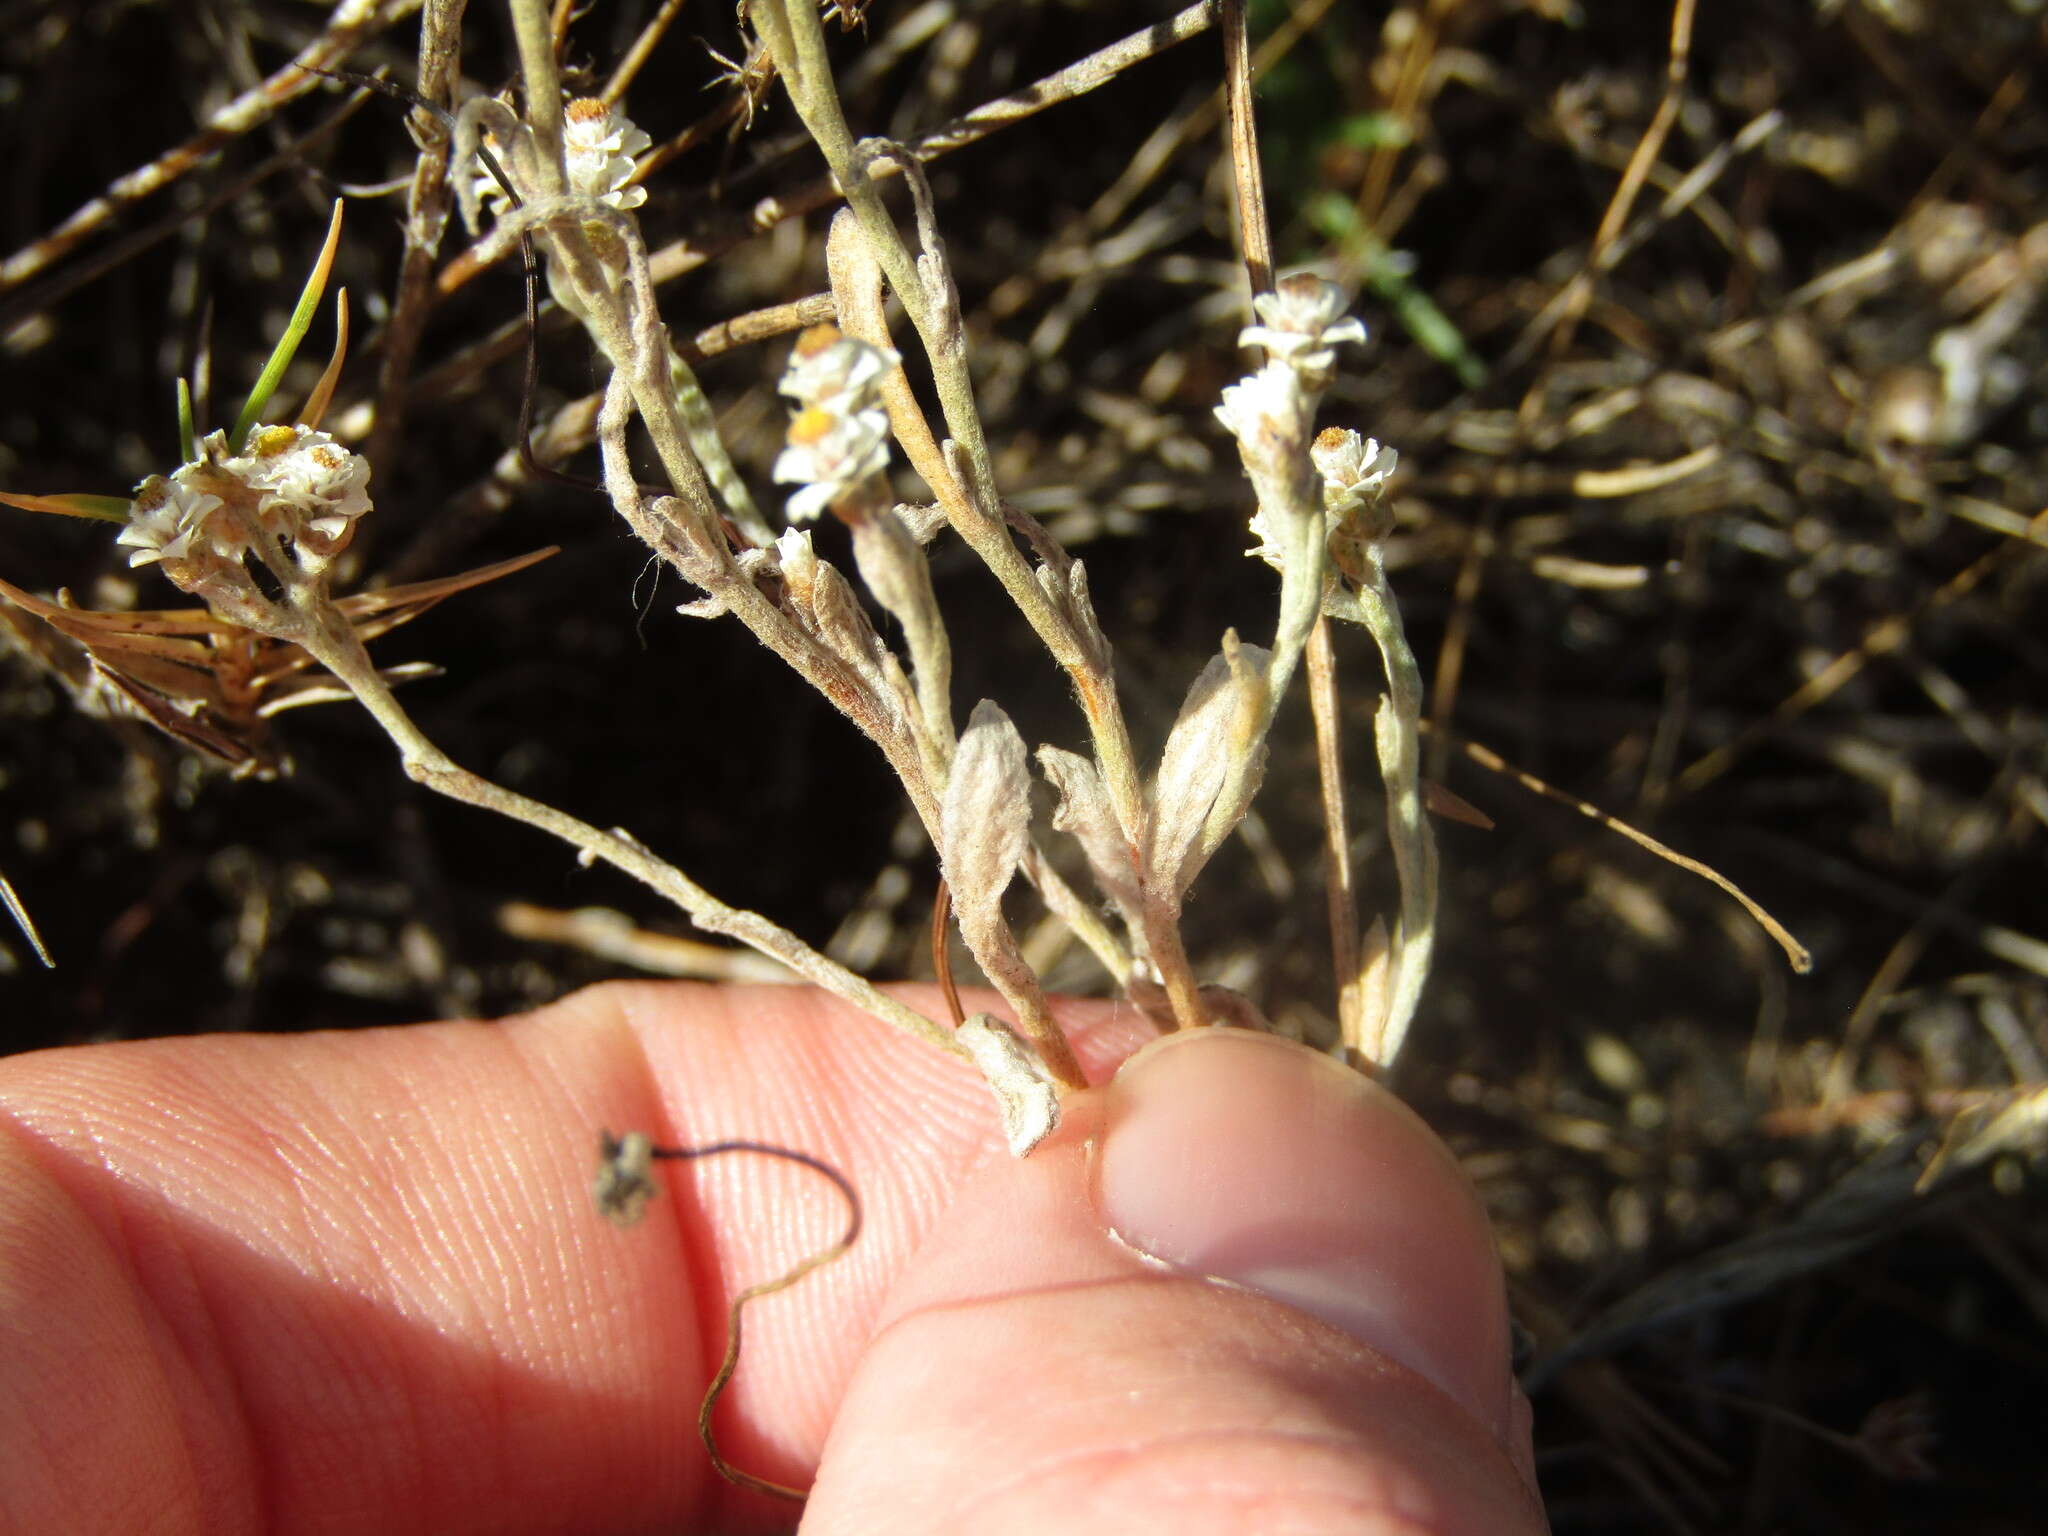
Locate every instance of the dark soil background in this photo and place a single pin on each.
(1776, 1240)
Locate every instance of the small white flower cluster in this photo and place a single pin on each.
(598, 145)
(1301, 322)
(166, 519)
(300, 486)
(798, 562)
(1355, 469)
(1271, 413)
(838, 441)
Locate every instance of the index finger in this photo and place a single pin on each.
(342, 1281)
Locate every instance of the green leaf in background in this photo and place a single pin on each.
(1388, 275)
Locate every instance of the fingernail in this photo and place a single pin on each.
(1250, 1159)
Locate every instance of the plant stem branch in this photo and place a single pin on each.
(1397, 733)
(534, 30)
(1339, 893)
(334, 644)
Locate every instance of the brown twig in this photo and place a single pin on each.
(353, 22)
(44, 292)
(942, 951)
(426, 219)
(1797, 953)
(733, 1317)
(1678, 65)
(636, 56)
(1320, 665)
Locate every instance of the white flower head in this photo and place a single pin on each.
(831, 369)
(1301, 322)
(797, 562)
(309, 487)
(839, 440)
(598, 145)
(1270, 414)
(831, 457)
(165, 520)
(1355, 469)
(1262, 405)
(1355, 473)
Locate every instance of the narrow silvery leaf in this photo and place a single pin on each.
(1082, 609)
(985, 820)
(893, 566)
(1200, 753)
(1065, 584)
(1024, 1091)
(923, 520)
(1085, 812)
(842, 623)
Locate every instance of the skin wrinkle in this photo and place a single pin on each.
(398, 1216)
(519, 1287)
(1200, 1359)
(516, 1205)
(350, 1260)
(1241, 1491)
(1399, 1492)
(241, 1422)
(111, 1228)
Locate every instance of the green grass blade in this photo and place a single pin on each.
(288, 344)
(101, 509)
(188, 448)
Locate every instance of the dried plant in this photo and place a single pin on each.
(255, 516)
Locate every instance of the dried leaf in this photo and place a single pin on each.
(923, 520)
(842, 623)
(323, 392)
(985, 821)
(1024, 1090)
(100, 509)
(1201, 751)
(1085, 813)
(208, 682)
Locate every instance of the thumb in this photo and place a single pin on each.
(1243, 1290)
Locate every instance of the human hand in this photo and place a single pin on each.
(355, 1283)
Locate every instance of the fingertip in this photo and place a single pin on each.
(1253, 1160)
(1030, 1369)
